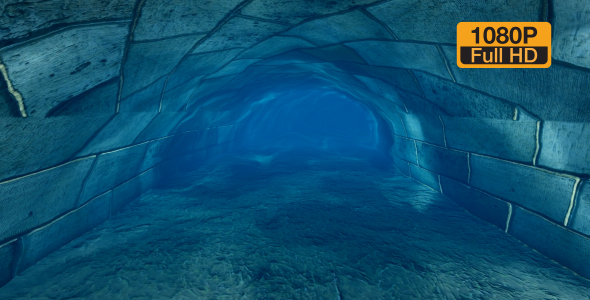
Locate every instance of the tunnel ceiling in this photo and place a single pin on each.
(92, 83)
(151, 68)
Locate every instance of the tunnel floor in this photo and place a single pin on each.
(295, 226)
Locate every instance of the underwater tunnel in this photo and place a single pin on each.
(105, 100)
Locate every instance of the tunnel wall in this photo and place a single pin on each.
(100, 98)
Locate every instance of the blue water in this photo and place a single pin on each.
(295, 225)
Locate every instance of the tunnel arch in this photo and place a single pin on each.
(137, 90)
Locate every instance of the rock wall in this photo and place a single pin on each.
(102, 98)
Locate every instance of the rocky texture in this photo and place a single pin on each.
(9, 253)
(111, 169)
(451, 163)
(571, 32)
(569, 248)
(145, 62)
(526, 86)
(438, 19)
(428, 178)
(64, 64)
(500, 138)
(51, 237)
(253, 227)
(23, 208)
(238, 33)
(540, 190)
(340, 28)
(20, 19)
(402, 55)
(580, 220)
(565, 146)
(172, 18)
(481, 205)
(183, 81)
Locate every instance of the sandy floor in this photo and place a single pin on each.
(291, 227)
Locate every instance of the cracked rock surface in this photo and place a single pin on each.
(295, 226)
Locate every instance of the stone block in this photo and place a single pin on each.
(423, 57)
(459, 101)
(148, 61)
(234, 67)
(180, 144)
(383, 89)
(416, 104)
(334, 53)
(30, 201)
(9, 255)
(175, 99)
(397, 124)
(55, 68)
(34, 143)
(426, 128)
(146, 99)
(544, 192)
(200, 64)
(177, 17)
(405, 149)
(564, 90)
(565, 146)
(210, 88)
(400, 78)
(428, 178)
(275, 45)
(20, 19)
(239, 33)
(111, 169)
(292, 57)
(102, 99)
(296, 11)
(566, 247)
(164, 124)
(438, 19)
(401, 165)
(121, 131)
(507, 139)
(571, 32)
(580, 219)
(479, 204)
(340, 28)
(133, 188)
(43, 241)
(154, 154)
(450, 163)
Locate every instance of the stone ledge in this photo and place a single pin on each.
(565, 146)
(111, 169)
(479, 204)
(426, 177)
(10, 254)
(131, 189)
(51, 237)
(545, 192)
(405, 149)
(580, 220)
(566, 247)
(20, 208)
(451, 163)
(512, 140)
(401, 165)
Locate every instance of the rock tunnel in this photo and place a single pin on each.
(103, 100)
